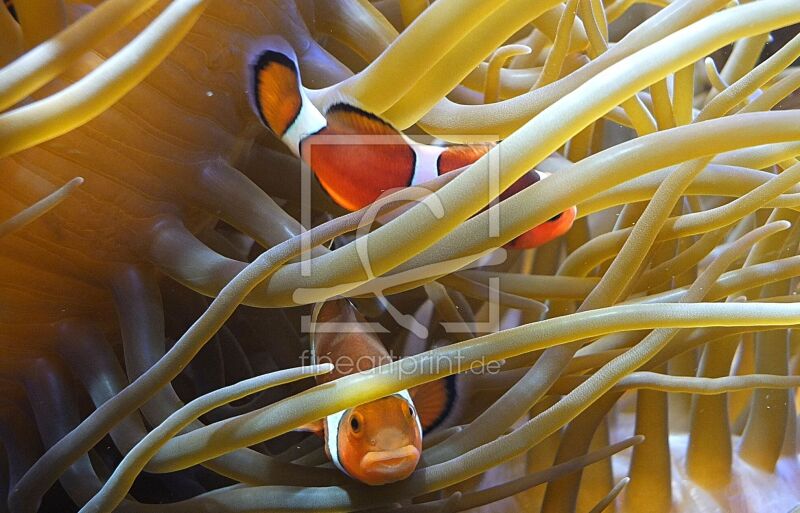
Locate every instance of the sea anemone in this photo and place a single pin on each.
(160, 251)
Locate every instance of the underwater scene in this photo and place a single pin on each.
(486, 256)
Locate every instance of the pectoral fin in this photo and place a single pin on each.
(276, 86)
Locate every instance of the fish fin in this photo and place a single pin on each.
(331, 310)
(345, 118)
(551, 229)
(355, 171)
(317, 427)
(460, 155)
(523, 182)
(313, 334)
(435, 401)
(335, 308)
(276, 88)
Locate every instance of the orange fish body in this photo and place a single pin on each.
(357, 156)
(351, 167)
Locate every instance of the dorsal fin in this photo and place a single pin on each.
(460, 155)
(358, 156)
(342, 336)
(276, 87)
(344, 118)
(316, 427)
(322, 312)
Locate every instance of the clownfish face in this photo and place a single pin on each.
(380, 442)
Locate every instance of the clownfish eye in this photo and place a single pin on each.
(409, 411)
(355, 425)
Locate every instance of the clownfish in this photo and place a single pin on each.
(378, 442)
(357, 170)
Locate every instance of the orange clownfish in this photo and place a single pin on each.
(378, 442)
(355, 171)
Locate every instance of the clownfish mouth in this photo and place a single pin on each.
(397, 462)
